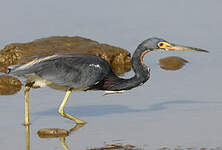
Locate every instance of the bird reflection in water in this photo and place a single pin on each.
(47, 133)
(27, 136)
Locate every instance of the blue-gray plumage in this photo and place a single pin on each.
(88, 72)
(71, 70)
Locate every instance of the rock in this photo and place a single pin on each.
(9, 85)
(52, 133)
(117, 147)
(172, 63)
(17, 53)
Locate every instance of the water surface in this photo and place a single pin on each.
(178, 108)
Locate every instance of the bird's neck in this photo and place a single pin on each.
(142, 74)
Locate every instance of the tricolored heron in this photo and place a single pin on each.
(87, 72)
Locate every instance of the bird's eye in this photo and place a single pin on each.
(161, 44)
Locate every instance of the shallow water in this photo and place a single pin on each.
(174, 108)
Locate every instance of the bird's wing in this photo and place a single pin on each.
(72, 70)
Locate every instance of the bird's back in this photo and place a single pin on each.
(71, 70)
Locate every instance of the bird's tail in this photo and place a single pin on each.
(15, 70)
(11, 68)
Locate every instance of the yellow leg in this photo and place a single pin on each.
(27, 133)
(75, 128)
(63, 143)
(27, 89)
(62, 113)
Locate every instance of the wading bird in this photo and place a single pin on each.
(85, 72)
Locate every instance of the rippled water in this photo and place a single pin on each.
(174, 108)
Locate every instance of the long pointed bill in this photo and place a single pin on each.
(184, 48)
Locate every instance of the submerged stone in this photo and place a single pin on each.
(9, 85)
(52, 133)
(172, 63)
(117, 147)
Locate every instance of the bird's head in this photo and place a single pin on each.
(160, 44)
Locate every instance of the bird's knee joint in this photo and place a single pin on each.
(61, 112)
(27, 88)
